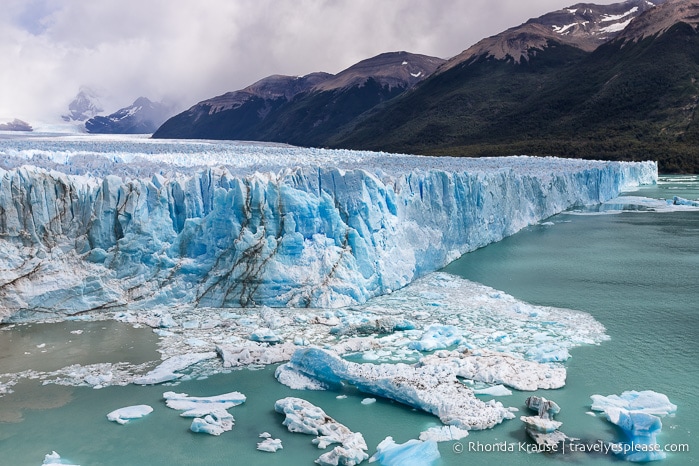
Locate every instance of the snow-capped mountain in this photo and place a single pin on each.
(585, 26)
(84, 106)
(142, 117)
(662, 18)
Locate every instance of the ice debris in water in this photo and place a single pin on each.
(637, 415)
(124, 415)
(54, 459)
(411, 453)
(269, 444)
(304, 417)
(165, 371)
(443, 434)
(210, 413)
(432, 388)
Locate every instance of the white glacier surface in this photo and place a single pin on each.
(141, 224)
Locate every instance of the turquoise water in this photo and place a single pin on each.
(637, 273)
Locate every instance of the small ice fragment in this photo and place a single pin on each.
(124, 415)
(368, 401)
(411, 453)
(54, 459)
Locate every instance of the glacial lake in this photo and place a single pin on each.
(637, 272)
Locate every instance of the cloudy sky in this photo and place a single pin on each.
(185, 50)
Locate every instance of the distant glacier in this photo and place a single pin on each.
(104, 223)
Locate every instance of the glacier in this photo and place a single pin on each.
(106, 224)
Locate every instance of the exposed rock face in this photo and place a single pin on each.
(661, 18)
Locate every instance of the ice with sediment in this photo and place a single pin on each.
(124, 415)
(146, 224)
(431, 388)
(411, 453)
(304, 417)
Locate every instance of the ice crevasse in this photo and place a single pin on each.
(298, 236)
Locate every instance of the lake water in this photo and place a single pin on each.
(635, 272)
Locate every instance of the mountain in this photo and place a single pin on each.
(142, 117)
(632, 97)
(302, 110)
(16, 125)
(84, 106)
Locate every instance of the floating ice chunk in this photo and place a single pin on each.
(539, 424)
(166, 370)
(495, 390)
(636, 413)
(184, 402)
(646, 401)
(54, 459)
(499, 368)
(304, 417)
(438, 337)
(433, 388)
(265, 335)
(214, 423)
(269, 444)
(640, 429)
(443, 434)
(124, 415)
(676, 200)
(296, 380)
(411, 453)
(368, 401)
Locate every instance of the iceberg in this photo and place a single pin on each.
(142, 224)
(124, 415)
(214, 423)
(637, 415)
(304, 417)
(411, 453)
(432, 388)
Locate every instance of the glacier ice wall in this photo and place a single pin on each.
(211, 235)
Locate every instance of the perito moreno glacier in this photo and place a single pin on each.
(110, 224)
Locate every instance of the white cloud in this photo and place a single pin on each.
(190, 51)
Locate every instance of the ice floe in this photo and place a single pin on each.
(443, 434)
(269, 444)
(304, 417)
(165, 371)
(433, 388)
(210, 412)
(124, 415)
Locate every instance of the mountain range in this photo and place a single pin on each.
(590, 81)
(141, 117)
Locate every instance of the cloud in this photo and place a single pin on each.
(188, 51)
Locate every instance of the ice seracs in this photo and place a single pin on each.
(124, 415)
(145, 224)
(304, 417)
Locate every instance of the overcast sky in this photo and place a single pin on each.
(187, 50)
